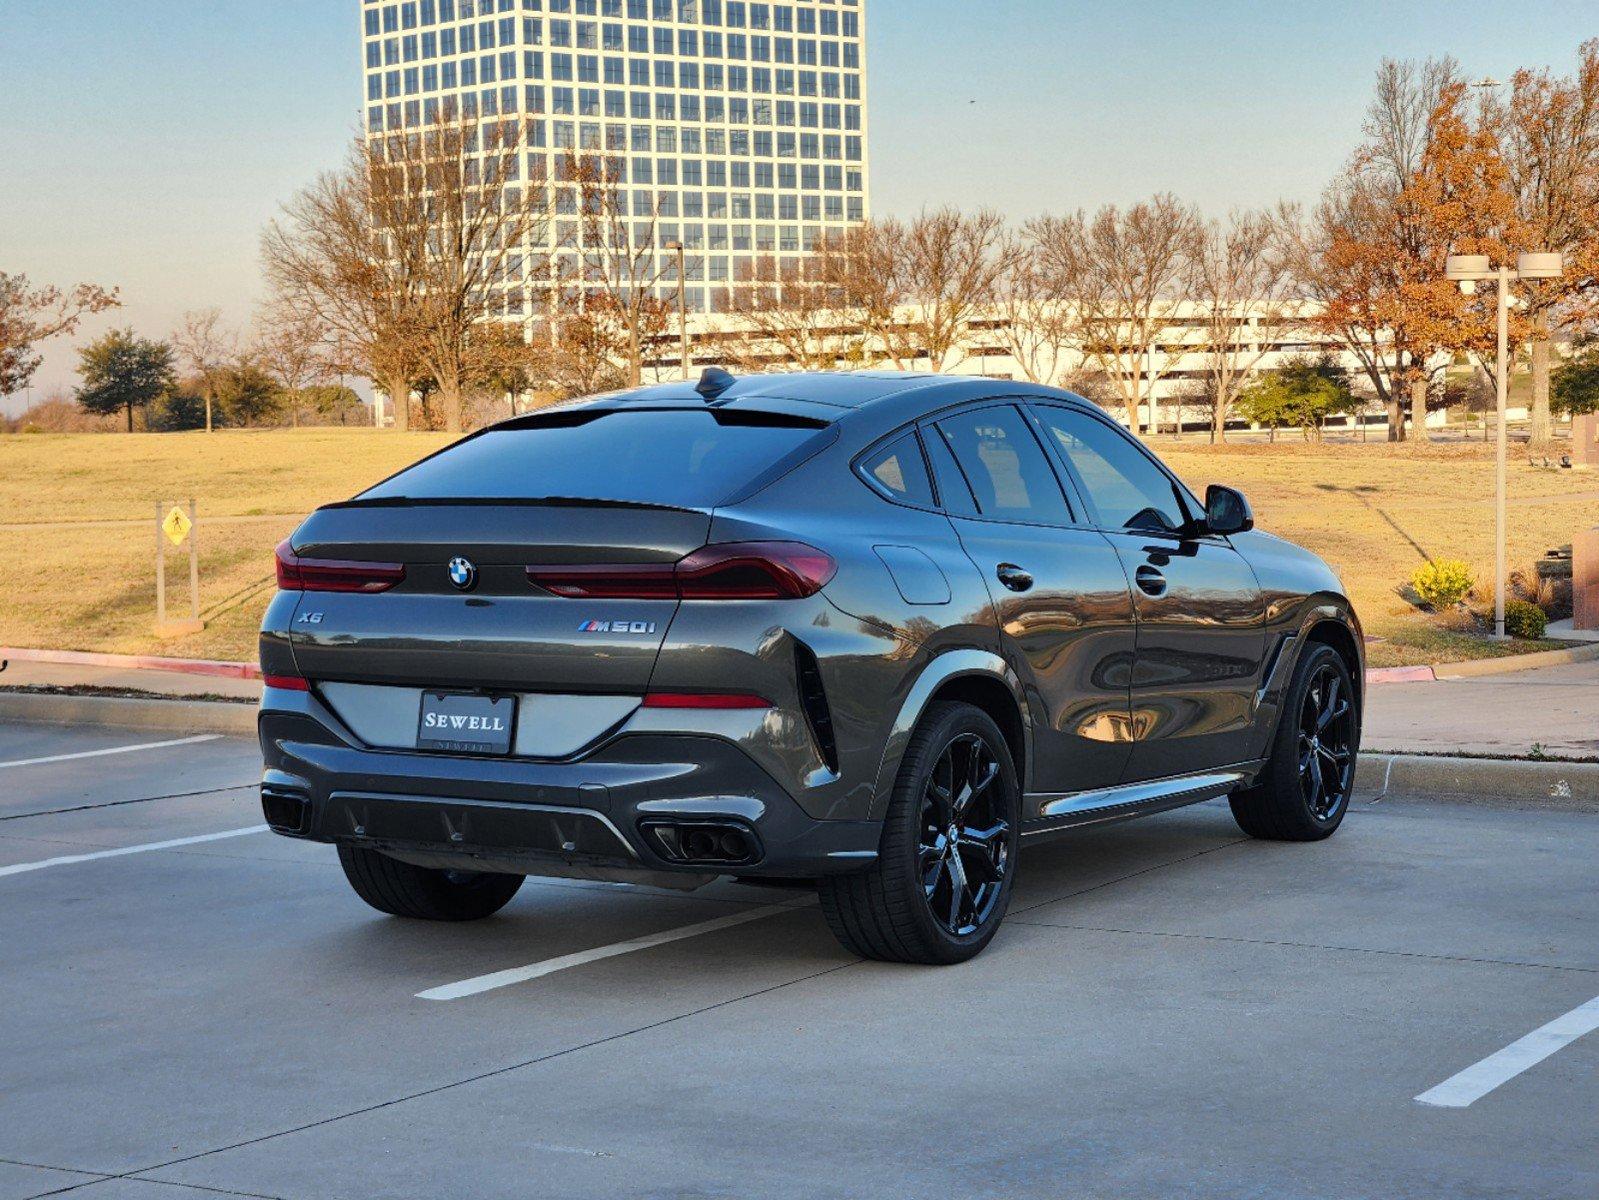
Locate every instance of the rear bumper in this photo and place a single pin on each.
(588, 817)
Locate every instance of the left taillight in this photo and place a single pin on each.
(296, 574)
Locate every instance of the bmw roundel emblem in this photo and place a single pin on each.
(463, 574)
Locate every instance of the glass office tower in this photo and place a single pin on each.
(739, 127)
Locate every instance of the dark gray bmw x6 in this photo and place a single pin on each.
(867, 631)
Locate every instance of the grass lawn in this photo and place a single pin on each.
(1377, 512)
(77, 510)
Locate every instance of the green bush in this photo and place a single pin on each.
(1524, 619)
(1442, 583)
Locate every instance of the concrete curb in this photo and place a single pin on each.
(1487, 778)
(1482, 666)
(168, 716)
(1515, 662)
(135, 662)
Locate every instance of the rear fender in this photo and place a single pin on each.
(945, 668)
(1286, 647)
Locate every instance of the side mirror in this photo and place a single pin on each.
(1226, 511)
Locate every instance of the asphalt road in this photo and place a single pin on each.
(1170, 1010)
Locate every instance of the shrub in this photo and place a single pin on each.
(1525, 620)
(1442, 583)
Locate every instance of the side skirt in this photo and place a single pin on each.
(1062, 811)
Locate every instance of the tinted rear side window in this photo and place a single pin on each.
(899, 472)
(688, 459)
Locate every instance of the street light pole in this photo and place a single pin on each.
(1502, 388)
(682, 305)
(1469, 270)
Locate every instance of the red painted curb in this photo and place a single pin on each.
(1400, 675)
(141, 662)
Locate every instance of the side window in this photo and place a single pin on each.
(955, 496)
(900, 473)
(1004, 465)
(1122, 482)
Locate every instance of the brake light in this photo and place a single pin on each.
(754, 571)
(705, 700)
(728, 571)
(296, 574)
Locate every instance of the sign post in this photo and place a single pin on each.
(174, 525)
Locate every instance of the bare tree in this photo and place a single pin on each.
(452, 194)
(327, 258)
(1243, 287)
(921, 283)
(1122, 270)
(610, 247)
(1037, 326)
(29, 316)
(799, 312)
(291, 346)
(206, 348)
(424, 236)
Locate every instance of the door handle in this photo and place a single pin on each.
(1150, 581)
(1013, 577)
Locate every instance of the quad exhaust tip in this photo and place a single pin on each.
(286, 810)
(703, 843)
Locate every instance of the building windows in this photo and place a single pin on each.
(749, 113)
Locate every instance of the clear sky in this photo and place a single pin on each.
(143, 144)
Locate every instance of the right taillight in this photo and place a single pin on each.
(754, 571)
(296, 574)
(727, 571)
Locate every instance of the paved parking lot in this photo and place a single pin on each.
(192, 1006)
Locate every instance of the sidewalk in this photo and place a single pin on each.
(159, 683)
(1554, 708)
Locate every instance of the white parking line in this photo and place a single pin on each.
(549, 966)
(68, 859)
(1477, 1080)
(54, 758)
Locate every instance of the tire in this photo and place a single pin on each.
(424, 893)
(887, 912)
(1290, 801)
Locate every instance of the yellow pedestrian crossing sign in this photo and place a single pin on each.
(176, 526)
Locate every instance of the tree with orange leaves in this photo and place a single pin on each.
(1548, 138)
(1425, 183)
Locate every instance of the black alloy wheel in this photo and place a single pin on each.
(1326, 743)
(964, 851)
(1302, 793)
(942, 879)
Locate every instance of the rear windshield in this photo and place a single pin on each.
(685, 459)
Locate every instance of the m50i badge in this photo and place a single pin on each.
(617, 627)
